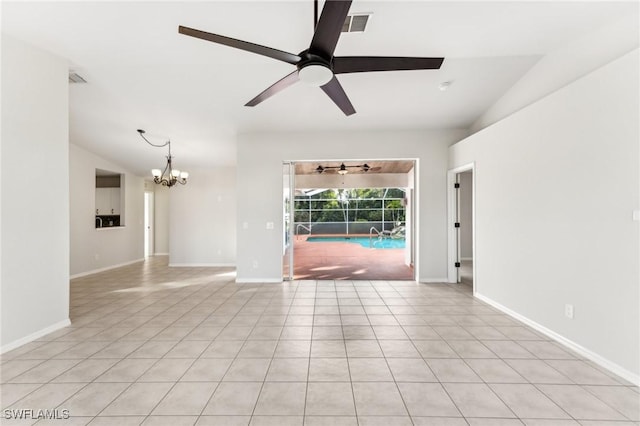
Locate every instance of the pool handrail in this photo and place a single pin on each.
(301, 225)
(373, 228)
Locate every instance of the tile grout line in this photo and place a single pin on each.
(238, 288)
(176, 382)
(181, 311)
(387, 361)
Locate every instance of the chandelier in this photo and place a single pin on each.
(169, 176)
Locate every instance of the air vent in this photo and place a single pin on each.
(76, 78)
(356, 23)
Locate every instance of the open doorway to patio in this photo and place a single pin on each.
(351, 220)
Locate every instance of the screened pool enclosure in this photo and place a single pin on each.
(349, 211)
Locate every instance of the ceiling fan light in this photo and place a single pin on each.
(315, 75)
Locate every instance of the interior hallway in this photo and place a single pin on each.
(182, 346)
(466, 272)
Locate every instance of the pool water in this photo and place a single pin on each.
(385, 243)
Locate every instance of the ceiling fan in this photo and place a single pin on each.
(344, 169)
(316, 65)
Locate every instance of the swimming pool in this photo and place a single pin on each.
(386, 243)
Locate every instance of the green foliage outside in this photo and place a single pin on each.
(352, 205)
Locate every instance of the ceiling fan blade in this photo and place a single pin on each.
(375, 169)
(278, 86)
(349, 64)
(327, 33)
(335, 91)
(242, 45)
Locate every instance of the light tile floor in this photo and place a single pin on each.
(154, 345)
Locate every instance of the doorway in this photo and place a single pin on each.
(465, 230)
(354, 225)
(149, 249)
(461, 226)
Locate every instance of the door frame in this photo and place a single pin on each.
(413, 248)
(288, 234)
(149, 224)
(452, 237)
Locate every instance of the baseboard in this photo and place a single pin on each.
(466, 258)
(106, 268)
(433, 280)
(201, 265)
(33, 336)
(598, 359)
(160, 254)
(258, 281)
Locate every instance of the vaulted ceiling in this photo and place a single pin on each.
(142, 74)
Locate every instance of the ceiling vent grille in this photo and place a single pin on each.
(76, 78)
(356, 23)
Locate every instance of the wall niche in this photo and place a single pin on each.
(109, 207)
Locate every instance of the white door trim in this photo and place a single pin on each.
(415, 211)
(150, 226)
(451, 219)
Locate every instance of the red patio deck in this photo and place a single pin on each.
(347, 261)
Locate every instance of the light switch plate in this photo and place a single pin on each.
(636, 215)
(269, 225)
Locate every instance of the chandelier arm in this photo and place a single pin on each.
(141, 133)
(172, 179)
(167, 167)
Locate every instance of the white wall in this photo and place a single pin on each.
(161, 219)
(556, 184)
(35, 193)
(260, 158)
(564, 65)
(202, 216)
(466, 215)
(98, 249)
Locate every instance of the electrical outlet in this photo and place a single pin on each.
(245, 225)
(269, 225)
(96, 256)
(568, 311)
(255, 264)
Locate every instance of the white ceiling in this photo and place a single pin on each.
(142, 74)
